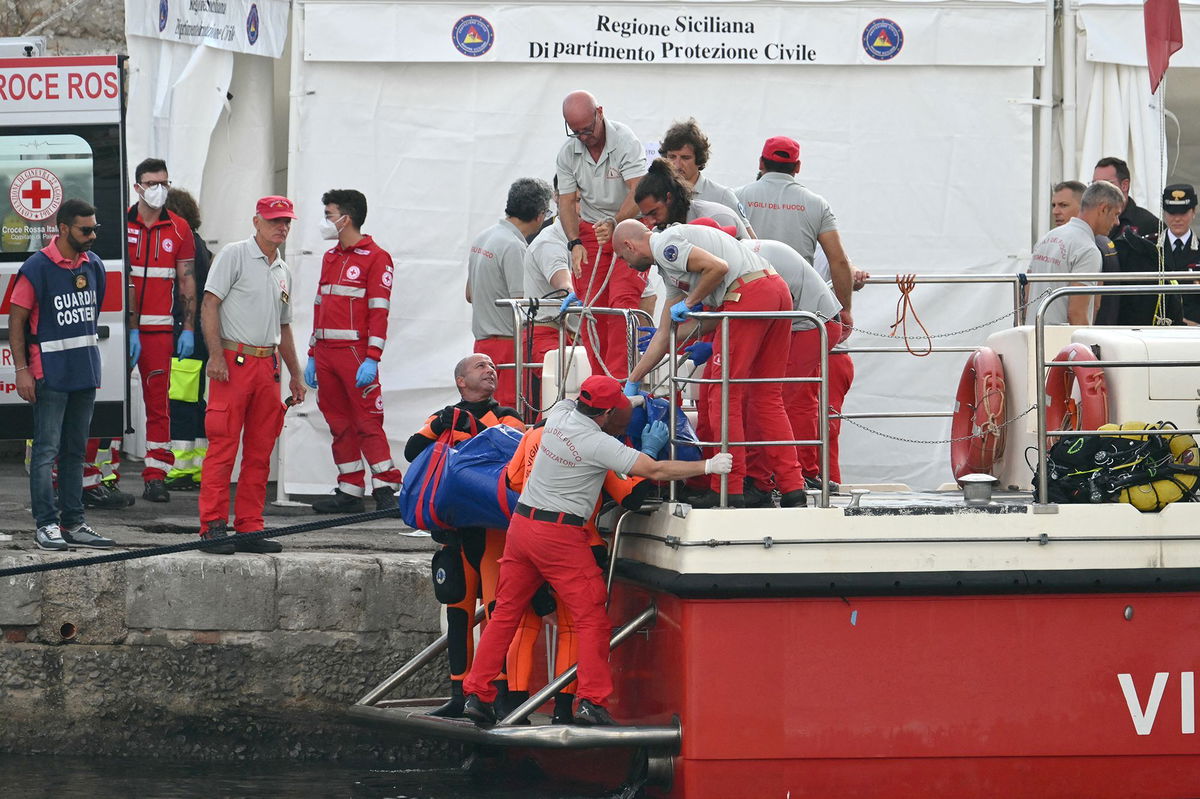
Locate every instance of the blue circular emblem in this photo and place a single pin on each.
(163, 10)
(473, 35)
(252, 24)
(882, 39)
(440, 577)
(671, 252)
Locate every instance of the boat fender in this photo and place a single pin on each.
(1063, 412)
(978, 428)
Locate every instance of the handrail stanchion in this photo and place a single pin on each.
(724, 405)
(672, 409)
(1039, 344)
(823, 413)
(519, 358)
(1018, 300)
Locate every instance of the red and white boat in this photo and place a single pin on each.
(899, 643)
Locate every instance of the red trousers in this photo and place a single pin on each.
(560, 554)
(758, 349)
(97, 466)
(607, 340)
(154, 366)
(355, 418)
(500, 350)
(801, 398)
(245, 410)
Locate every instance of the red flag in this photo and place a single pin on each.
(1164, 36)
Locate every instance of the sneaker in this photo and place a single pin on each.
(385, 498)
(82, 535)
(339, 502)
(480, 712)
(102, 497)
(260, 546)
(50, 538)
(814, 484)
(217, 532)
(793, 499)
(593, 714)
(156, 491)
(183, 482)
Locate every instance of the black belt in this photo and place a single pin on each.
(554, 517)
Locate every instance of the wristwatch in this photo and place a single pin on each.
(574, 243)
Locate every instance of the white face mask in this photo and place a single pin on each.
(155, 196)
(329, 228)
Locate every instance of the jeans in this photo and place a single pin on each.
(60, 428)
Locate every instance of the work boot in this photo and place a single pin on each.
(712, 499)
(182, 482)
(217, 530)
(82, 535)
(512, 701)
(756, 497)
(562, 709)
(454, 708)
(480, 712)
(102, 497)
(112, 488)
(814, 484)
(259, 546)
(794, 499)
(339, 502)
(49, 537)
(385, 498)
(593, 715)
(156, 491)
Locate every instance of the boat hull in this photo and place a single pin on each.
(1088, 695)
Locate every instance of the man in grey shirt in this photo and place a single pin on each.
(687, 149)
(496, 270)
(1071, 248)
(546, 541)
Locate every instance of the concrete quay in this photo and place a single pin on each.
(194, 656)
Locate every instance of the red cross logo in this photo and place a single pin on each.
(36, 194)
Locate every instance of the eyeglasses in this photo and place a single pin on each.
(151, 184)
(86, 230)
(588, 131)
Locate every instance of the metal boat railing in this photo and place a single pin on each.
(1042, 505)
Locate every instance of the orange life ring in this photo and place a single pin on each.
(977, 431)
(1062, 410)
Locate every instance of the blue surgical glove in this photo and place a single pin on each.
(135, 346)
(568, 301)
(310, 372)
(366, 373)
(186, 344)
(680, 310)
(654, 437)
(644, 339)
(699, 352)
(631, 388)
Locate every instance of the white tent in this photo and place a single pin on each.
(927, 155)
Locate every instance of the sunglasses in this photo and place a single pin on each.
(86, 230)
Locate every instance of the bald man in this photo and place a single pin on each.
(599, 165)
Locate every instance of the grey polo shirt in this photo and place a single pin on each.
(1068, 248)
(601, 183)
(809, 291)
(672, 247)
(719, 212)
(495, 270)
(256, 295)
(572, 460)
(780, 208)
(714, 192)
(546, 255)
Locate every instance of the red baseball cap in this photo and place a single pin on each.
(603, 392)
(708, 221)
(275, 207)
(782, 150)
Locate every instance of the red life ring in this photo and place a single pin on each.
(1062, 410)
(977, 431)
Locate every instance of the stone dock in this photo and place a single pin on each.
(193, 656)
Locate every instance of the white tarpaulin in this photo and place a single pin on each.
(927, 168)
(257, 27)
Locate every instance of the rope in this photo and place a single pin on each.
(295, 529)
(988, 323)
(906, 284)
